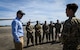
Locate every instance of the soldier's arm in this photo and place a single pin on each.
(60, 25)
(26, 28)
(34, 27)
(43, 27)
(31, 29)
(48, 28)
(64, 30)
(55, 25)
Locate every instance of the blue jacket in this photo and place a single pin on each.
(17, 29)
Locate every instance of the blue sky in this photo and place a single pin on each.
(49, 10)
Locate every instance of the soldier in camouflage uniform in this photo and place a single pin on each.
(45, 28)
(29, 30)
(71, 29)
(37, 33)
(51, 34)
(57, 29)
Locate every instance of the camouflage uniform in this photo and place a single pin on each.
(37, 33)
(57, 29)
(45, 31)
(29, 30)
(71, 33)
(51, 26)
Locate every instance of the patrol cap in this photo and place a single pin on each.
(20, 12)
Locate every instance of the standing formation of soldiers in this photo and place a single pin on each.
(70, 33)
(47, 30)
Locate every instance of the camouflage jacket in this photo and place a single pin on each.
(29, 29)
(71, 29)
(38, 28)
(57, 25)
(45, 28)
(51, 26)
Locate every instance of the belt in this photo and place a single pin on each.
(20, 36)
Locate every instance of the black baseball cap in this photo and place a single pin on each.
(20, 12)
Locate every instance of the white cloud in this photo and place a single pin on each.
(37, 9)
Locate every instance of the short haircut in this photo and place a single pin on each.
(72, 6)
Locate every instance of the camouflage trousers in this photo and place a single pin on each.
(37, 38)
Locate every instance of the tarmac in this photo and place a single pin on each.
(6, 42)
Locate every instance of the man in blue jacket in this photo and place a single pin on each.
(17, 31)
